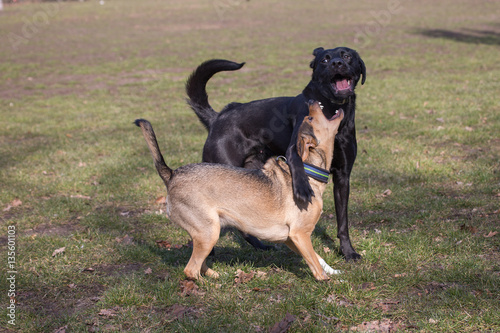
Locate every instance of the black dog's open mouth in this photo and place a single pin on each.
(342, 84)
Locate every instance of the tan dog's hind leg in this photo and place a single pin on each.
(202, 245)
(301, 244)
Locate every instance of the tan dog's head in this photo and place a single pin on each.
(317, 135)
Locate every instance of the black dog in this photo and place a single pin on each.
(246, 135)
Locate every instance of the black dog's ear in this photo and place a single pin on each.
(315, 54)
(363, 70)
(317, 51)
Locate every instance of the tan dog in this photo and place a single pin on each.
(204, 197)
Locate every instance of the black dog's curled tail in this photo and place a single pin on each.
(196, 87)
(147, 130)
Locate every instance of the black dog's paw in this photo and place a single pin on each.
(302, 191)
(268, 248)
(350, 254)
(353, 257)
(256, 243)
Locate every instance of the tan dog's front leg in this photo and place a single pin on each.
(301, 244)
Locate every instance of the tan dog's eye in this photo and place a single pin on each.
(310, 119)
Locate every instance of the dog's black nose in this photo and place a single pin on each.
(337, 63)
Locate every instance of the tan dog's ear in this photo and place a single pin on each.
(306, 139)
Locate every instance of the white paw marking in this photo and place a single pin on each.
(328, 270)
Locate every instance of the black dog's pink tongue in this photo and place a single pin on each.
(342, 84)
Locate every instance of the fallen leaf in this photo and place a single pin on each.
(82, 164)
(126, 240)
(387, 193)
(367, 286)
(79, 196)
(109, 328)
(16, 203)
(58, 251)
(72, 285)
(432, 321)
(283, 325)
(469, 129)
(161, 200)
(400, 275)
(491, 234)
(334, 299)
(108, 313)
(90, 270)
(242, 277)
(326, 249)
(148, 271)
(387, 305)
(163, 244)
(178, 311)
(257, 329)
(261, 274)
(61, 329)
(378, 326)
(188, 287)
(470, 229)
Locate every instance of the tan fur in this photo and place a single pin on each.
(203, 198)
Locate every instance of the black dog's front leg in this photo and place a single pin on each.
(341, 196)
(302, 190)
(343, 161)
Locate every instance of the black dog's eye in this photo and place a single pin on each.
(346, 57)
(325, 59)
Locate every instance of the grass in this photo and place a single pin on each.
(428, 121)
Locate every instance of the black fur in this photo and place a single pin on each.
(246, 135)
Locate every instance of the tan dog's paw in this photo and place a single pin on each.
(322, 277)
(327, 268)
(211, 273)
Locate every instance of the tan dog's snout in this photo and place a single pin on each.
(316, 125)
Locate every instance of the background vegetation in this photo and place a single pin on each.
(76, 175)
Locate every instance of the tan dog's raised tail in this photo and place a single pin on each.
(203, 198)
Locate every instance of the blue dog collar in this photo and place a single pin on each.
(312, 171)
(316, 173)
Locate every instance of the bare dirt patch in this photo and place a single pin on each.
(79, 84)
(54, 303)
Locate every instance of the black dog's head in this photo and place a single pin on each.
(337, 71)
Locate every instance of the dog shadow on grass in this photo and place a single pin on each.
(243, 253)
(466, 35)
